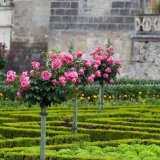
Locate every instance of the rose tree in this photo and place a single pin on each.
(105, 66)
(42, 85)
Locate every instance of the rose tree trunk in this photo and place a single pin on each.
(43, 132)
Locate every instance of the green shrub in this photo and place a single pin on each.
(61, 139)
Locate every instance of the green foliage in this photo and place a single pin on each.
(61, 139)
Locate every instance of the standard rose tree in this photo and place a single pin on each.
(105, 66)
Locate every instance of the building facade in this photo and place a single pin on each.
(133, 27)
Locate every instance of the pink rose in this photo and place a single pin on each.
(53, 56)
(108, 70)
(93, 53)
(25, 73)
(88, 62)
(54, 81)
(118, 62)
(81, 71)
(90, 79)
(73, 80)
(72, 69)
(66, 58)
(98, 49)
(110, 60)
(105, 75)
(19, 94)
(36, 65)
(92, 75)
(66, 75)
(46, 75)
(25, 83)
(98, 73)
(97, 57)
(98, 62)
(11, 76)
(32, 73)
(110, 48)
(56, 64)
(79, 54)
(62, 81)
(95, 67)
(111, 81)
(73, 74)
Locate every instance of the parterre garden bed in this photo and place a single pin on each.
(121, 132)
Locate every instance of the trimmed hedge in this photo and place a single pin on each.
(22, 156)
(59, 139)
(9, 132)
(107, 135)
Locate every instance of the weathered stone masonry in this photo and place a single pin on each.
(40, 25)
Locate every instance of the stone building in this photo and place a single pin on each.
(133, 26)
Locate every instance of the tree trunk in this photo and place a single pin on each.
(75, 116)
(43, 132)
(101, 97)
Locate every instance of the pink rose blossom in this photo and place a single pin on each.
(90, 79)
(97, 57)
(73, 76)
(73, 80)
(110, 60)
(98, 62)
(11, 76)
(53, 56)
(36, 65)
(98, 49)
(79, 54)
(25, 83)
(108, 70)
(93, 53)
(106, 54)
(110, 48)
(32, 73)
(88, 62)
(19, 94)
(92, 75)
(62, 81)
(111, 81)
(56, 64)
(54, 81)
(46, 75)
(81, 71)
(105, 75)
(66, 75)
(72, 69)
(98, 73)
(118, 62)
(25, 73)
(66, 58)
(95, 67)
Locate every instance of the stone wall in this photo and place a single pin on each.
(145, 59)
(87, 23)
(40, 25)
(29, 32)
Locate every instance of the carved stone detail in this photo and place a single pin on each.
(147, 23)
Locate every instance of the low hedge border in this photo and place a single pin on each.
(58, 139)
